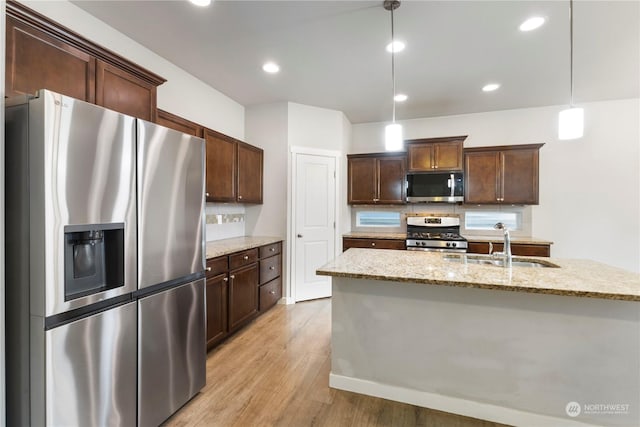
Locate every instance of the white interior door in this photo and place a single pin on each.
(314, 228)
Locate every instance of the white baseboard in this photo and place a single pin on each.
(286, 300)
(449, 404)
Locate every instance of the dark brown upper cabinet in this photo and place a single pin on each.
(376, 178)
(234, 169)
(502, 175)
(41, 54)
(435, 154)
(178, 123)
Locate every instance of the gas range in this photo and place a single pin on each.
(435, 233)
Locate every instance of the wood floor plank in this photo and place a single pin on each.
(275, 372)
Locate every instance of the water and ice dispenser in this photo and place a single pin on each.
(93, 259)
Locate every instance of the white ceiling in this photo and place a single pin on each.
(332, 53)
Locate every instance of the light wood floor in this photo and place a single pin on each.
(275, 372)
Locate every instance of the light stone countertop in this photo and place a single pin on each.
(218, 248)
(471, 238)
(376, 235)
(575, 277)
(514, 239)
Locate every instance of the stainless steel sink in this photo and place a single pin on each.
(499, 262)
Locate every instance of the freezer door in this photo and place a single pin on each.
(81, 171)
(170, 204)
(171, 351)
(90, 367)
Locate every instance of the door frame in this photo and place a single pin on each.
(290, 290)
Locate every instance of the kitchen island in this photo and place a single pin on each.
(517, 346)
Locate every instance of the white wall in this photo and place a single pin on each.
(589, 188)
(181, 94)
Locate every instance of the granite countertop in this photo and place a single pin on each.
(514, 239)
(471, 238)
(376, 235)
(583, 278)
(218, 248)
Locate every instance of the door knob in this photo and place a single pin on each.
(299, 236)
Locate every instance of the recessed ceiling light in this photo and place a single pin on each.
(532, 23)
(271, 67)
(401, 97)
(490, 87)
(395, 46)
(201, 3)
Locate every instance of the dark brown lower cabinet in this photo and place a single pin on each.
(521, 249)
(240, 286)
(354, 242)
(216, 308)
(243, 295)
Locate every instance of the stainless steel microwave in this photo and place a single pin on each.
(435, 187)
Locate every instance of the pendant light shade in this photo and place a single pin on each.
(571, 123)
(571, 120)
(393, 132)
(393, 137)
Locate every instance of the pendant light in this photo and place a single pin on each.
(571, 120)
(393, 132)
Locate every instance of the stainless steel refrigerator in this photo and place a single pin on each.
(171, 257)
(101, 266)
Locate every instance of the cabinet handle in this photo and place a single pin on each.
(246, 257)
(206, 194)
(208, 268)
(232, 276)
(436, 166)
(373, 243)
(272, 268)
(239, 197)
(376, 200)
(226, 279)
(272, 249)
(272, 292)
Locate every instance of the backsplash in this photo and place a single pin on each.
(525, 213)
(224, 221)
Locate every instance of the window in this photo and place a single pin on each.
(378, 219)
(486, 220)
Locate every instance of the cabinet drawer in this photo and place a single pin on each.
(270, 293)
(372, 243)
(217, 266)
(270, 268)
(243, 258)
(521, 249)
(270, 250)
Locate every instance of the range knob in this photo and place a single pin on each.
(454, 244)
(448, 244)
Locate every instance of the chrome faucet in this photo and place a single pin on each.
(506, 250)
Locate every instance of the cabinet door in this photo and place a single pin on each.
(221, 167)
(391, 180)
(249, 173)
(121, 91)
(178, 123)
(482, 177)
(519, 176)
(36, 60)
(362, 180)
(243, 295)
(351, 242)
(216, 308)
(420, 157)
(448, 155)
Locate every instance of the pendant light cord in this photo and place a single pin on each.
(570, 51)
(393, 68)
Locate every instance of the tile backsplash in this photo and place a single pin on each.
(224, 221)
